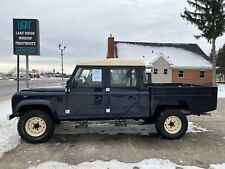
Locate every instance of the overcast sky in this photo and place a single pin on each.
(84, 26)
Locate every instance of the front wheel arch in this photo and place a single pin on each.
(26, 108)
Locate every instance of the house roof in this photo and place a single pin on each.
(182, 55)
(161, 56)
(114, 62)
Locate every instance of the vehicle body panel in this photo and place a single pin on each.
(199, 99)
(96, 103)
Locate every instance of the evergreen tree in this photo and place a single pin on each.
(221, 60)
(209, 17)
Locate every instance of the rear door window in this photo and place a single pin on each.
(123, 77)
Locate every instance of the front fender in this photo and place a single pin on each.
(34, 103)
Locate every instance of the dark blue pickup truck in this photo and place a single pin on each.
(111, 89)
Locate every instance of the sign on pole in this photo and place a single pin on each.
(26, 41)
(26, 37)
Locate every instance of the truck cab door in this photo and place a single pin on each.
(87, 99)
(122, 93)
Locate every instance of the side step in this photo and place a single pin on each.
(81, 124)
(119, 123)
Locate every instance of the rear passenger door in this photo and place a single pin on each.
(122, 92)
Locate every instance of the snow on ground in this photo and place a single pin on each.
(153, 163)
(217, 166)
(221, 91)
(114, 164)
(194, 128)
(9, 139)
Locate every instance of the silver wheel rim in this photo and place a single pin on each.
(172, 124)
(35, 126)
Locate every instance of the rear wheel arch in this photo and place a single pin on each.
(162, 108)
(183, 107)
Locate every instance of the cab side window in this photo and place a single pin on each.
(123, 77)
(88, 77)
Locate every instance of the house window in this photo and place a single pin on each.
(202, 74)
(181, 74)
(155, 71)
(165, 71)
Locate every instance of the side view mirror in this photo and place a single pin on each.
(149, 78)
(67, 90)
(67, 83)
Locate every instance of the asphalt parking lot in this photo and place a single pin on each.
(128, 144)
(9, 86)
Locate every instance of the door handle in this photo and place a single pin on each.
(131, 97)
(98, 100)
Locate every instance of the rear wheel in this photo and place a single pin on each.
(172, 124)
(35, 126)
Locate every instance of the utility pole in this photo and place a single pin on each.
(62, 49)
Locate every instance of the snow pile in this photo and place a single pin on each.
(194, 128)
(114, 164)
(9, 139)
(221, 91)
(217, 166)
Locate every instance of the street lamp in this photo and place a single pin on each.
(62, 49)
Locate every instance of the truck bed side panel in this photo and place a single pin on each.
(199, 99)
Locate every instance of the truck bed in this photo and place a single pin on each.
(197, 98)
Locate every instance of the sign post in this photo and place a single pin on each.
(18, 73)
(25, 42)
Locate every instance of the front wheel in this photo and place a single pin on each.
(35, 126)
(172, 124)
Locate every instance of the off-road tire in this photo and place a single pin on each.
(171, 116)
(25, 126)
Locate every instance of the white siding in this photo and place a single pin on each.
(160, 77)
